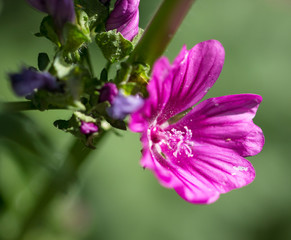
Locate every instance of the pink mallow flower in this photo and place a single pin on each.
(124, 18)
(201, 155)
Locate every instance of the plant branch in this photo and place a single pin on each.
(160, 31)
(21, 106)
(58, 182)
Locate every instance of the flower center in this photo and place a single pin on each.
(178, 142)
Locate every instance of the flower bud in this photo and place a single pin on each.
(108, 92)
(124, 18)
(88, 128)
(25, 82)
(62, 11)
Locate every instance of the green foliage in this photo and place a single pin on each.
(73, 126)
(138, 36)
(113, 45)
(97, 12)
(43, 61)
(74, 37)
(47, 29)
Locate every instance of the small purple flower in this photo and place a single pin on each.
(25, 82)
(108, 92)
(123, 105)
(62, 11)
(88, 128)
(200, 155)
(124, 18)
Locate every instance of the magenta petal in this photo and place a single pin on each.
(226, 122)
(159, 95)
(210, 172)
(175, 88)
(124, 18)
(202, 177)
(193, 74)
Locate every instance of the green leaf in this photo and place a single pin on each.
(47, 29)
(113, 45)
(42, 61)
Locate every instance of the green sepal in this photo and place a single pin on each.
(97, 12)
(73, 126)
(123, 73)
(60, 67)
(43, 61)
(104, 75)
(47, 29)
(140, 74)
(119, 124)
(74, 37)
(137, 37)
(113, 45)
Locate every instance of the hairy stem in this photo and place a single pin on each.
(21, 106)
(160, 31)
(58, 182)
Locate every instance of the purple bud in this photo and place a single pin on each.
(123, 105)
(124, 18)
(27, 80)
(88, 128)
(108, 92)
(62, 11)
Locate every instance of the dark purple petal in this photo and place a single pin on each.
(226, 122)
(62, 11)
(123, 105)
(88, 128)
(124, 18)
(25, 82)
(108, 92)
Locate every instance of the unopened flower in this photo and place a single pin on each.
(25, 82)
(88, 128)
(124, 18)
(62, 11)
(123, 105)
(200, 155)
(108, 92)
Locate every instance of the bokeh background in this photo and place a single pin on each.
(114, 198)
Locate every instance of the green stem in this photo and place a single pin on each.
(86, 54)
(21, 106)
(160, 31)
(57, 183)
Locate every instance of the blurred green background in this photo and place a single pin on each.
(114, 197)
